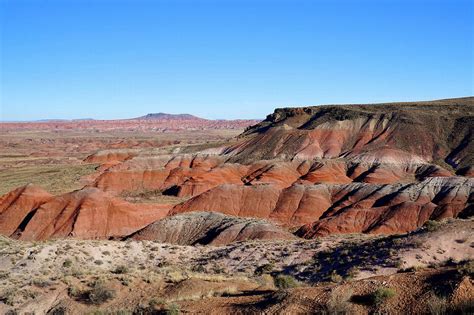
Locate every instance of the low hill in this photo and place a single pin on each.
(209, 228)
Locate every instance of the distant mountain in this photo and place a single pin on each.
(165, 116)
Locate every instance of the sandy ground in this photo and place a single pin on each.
(46, 273)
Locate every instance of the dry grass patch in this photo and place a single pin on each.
(57, 179)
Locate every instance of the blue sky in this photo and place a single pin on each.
(110, 59)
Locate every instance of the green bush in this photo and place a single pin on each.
(382, 294)
(285, 282)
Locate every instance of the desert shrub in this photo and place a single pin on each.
(410, 269)
(121, 269)
(466, 268)
(74, 292)
(41, 283)
(125, 281)
(352, 273)
(335, 277)
(436, 305)
(98, 262)
(77, 272)
(153, 303)
(67, 263)
(172, 309)
(431, 225)
(198, 268)
(106, 253)
(463, 307)
(8, 296)
(58, 310)
(265, 280)
(381, 295)
(340, 303)
(285, 282)
(4, 274)
(266, 268)
(162, 264)
(218, 269)
(100, 293)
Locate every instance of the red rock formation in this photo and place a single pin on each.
(328, 173)
(237, 200)
(393, 209)
(384, 168)
(397, 133)
(190, 175)
(32, 214)
(18, 204)
(342, 208)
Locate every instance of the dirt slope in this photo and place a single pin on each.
(209, 228)
(343, 271)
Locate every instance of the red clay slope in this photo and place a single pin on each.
(88, 213)
(191, 175)
(342, 208)
(17, 204)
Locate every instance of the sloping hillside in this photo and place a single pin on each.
(438, 131)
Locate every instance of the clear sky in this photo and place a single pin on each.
(110, 59)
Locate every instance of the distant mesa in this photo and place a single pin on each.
(165, 116)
